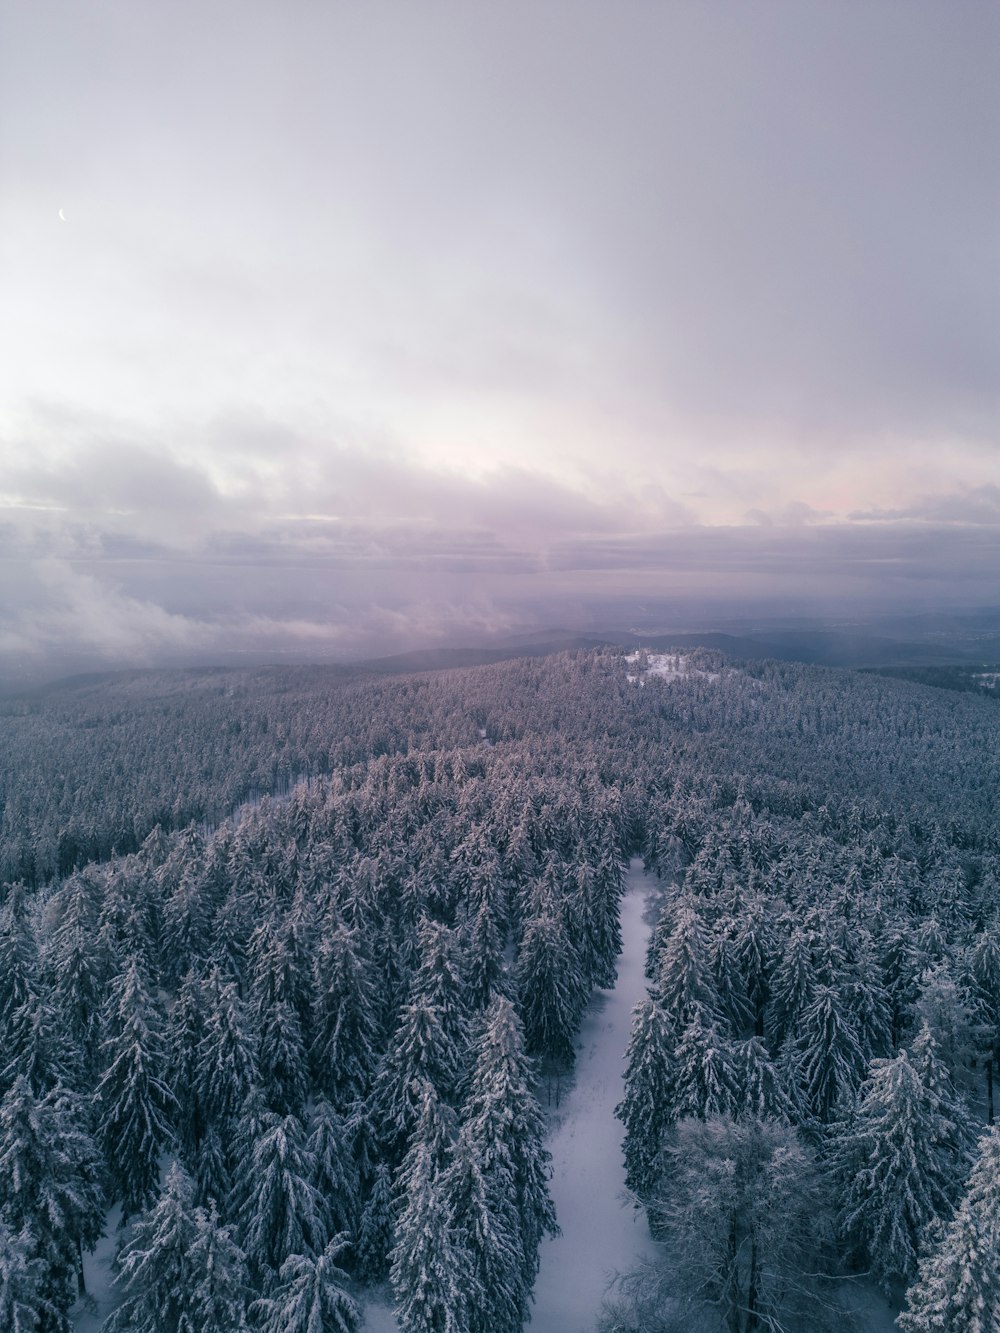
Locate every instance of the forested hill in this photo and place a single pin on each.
(328, 1012)
(93, 768)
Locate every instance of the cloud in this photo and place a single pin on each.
(977, 505)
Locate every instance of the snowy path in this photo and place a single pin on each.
(601, 1234)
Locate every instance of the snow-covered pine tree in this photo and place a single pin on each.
(551, 989)
(420, 1051)
(345, 1018)
(226, 1078)
(482, 1199)
(24, 1307)
(431, 1269)
(646, 1110)
(703, 1082)
(504, 1123)
(375, 1228)
(982, 983)
(278, 1209)
(218, 1284)
(760, 1092)
(830, 1062)
(155, 1266)
(958, 1288)
(281, 1058)
(684, 983)
(310, 1295)
(898, 1161)
(51, 1183)
(335, 1171)
(135, 1106)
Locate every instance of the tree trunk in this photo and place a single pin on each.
(989, 1090)
(81, 1280)
(753, 1321)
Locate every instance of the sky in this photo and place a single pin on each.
(331, 329)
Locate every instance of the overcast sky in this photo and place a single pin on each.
(372, 324)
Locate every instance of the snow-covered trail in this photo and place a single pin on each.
(601, 1233)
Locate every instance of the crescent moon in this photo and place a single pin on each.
(62, 216)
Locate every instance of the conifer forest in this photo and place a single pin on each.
(294, 962)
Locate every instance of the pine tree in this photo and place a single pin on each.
(831, 1064)
(551, 989)
(24, 1307)
(703, 1075)
(311, 1295)
(900, 1165)
(226, 1078)
(345, 1021)
(278, 1209)
(419, 1052)
(185, 1033)
(135, 1106)
(983, 984)
(375, 1228)
(647, 1107)
(504, 1123)
(684, 984)
(50, 1183)
(759, 1090)
(155, 1266)
(482, 1200)
(335, 1172)
(218, 1285)
(791, 988)
(431, 1272)
(281, 1059)
(958, 1289)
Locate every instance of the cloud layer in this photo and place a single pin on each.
(370, 326)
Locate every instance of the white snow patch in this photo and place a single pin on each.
(675, 666)
(602, 1234)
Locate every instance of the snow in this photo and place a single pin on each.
(676, 666)
(602, 1234)
(88, 1314)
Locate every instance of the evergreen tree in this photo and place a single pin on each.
(684, 984)
(759, 1092)
(419, 1052)
(375, 1228)
(310, 1296)
(899, 1160)
(958, 1289)
(218, 1284)
(830, 1062)
(505, 1126)
(482, 1199)
(551, 989)
(23, 1305)
(226, 1079)
(335, 1172)
(155, 1267)
(703, 1083)
(185, 1033)
(431, 1271)
(647, 1107)
(135, 1106)
(345, 1022)
(50, 1184)
(281, 1059)
(278, 1209)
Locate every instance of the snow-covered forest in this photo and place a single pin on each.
(293, 965)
